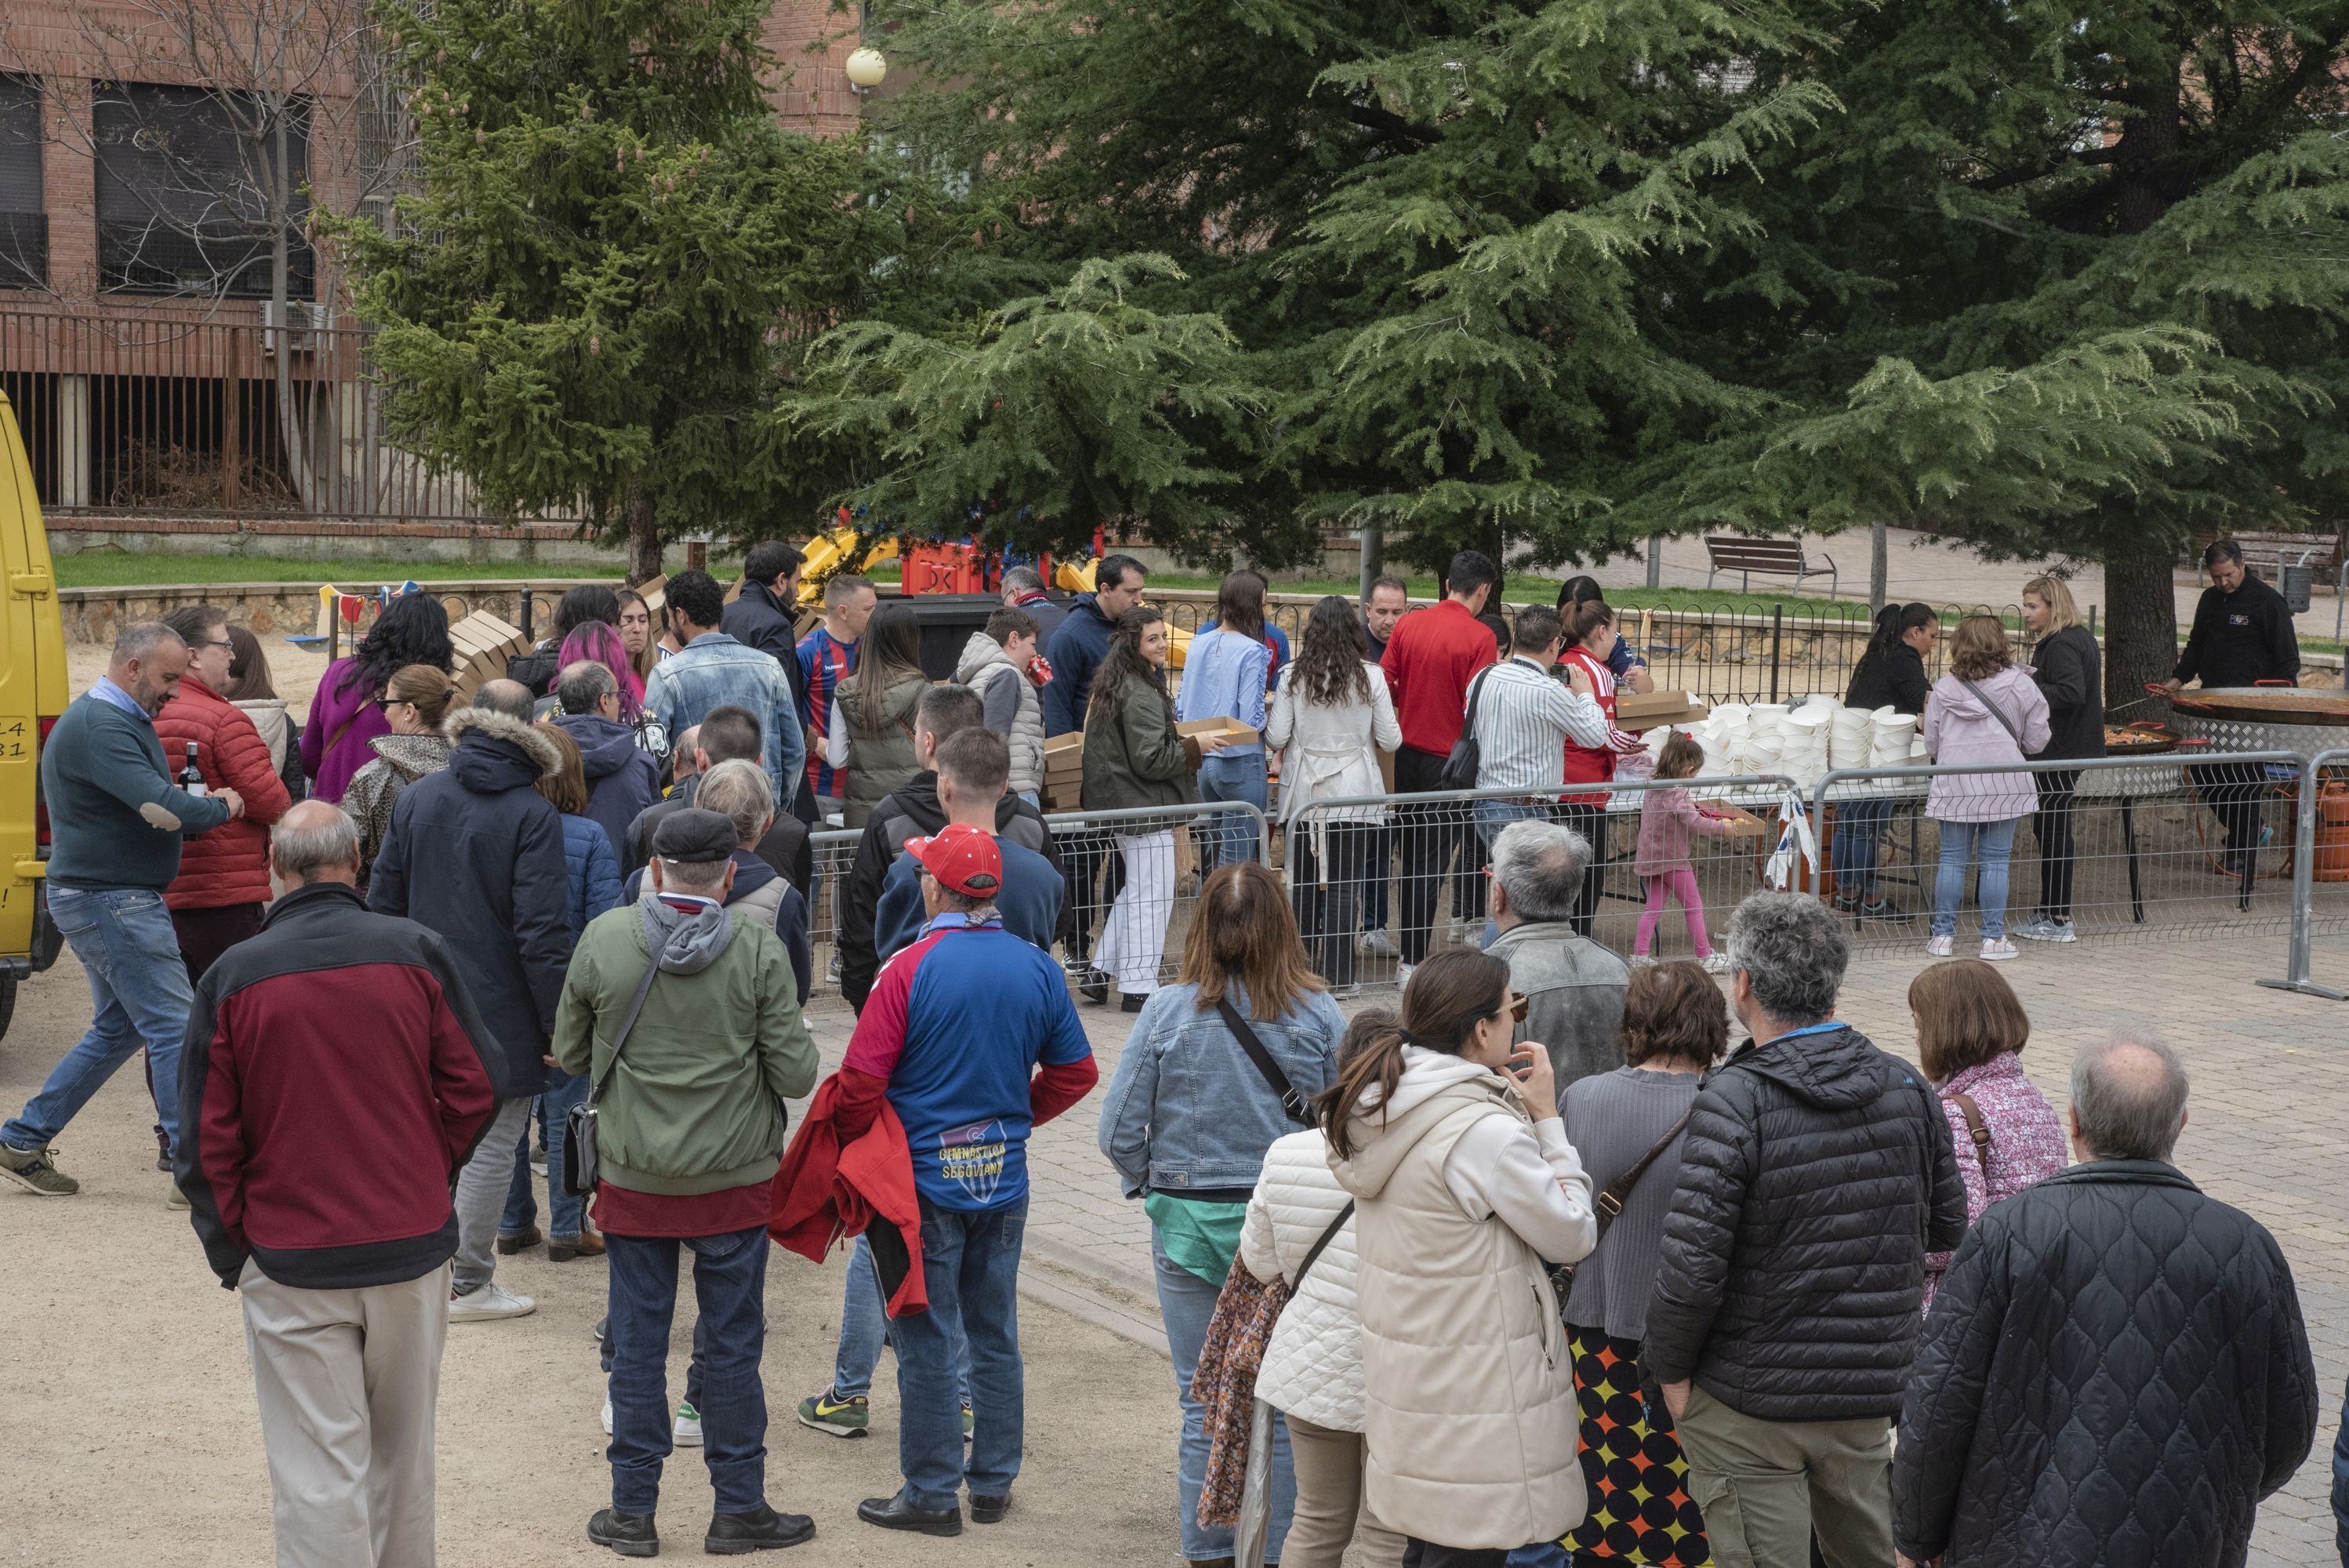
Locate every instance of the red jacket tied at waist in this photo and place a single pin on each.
(834, 1183)
(229, 865)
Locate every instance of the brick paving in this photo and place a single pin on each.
(2268, 1131)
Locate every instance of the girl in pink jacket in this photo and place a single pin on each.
(1669, 821)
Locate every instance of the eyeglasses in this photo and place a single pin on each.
(1518, 1005)
(217, 642)
(386, 704)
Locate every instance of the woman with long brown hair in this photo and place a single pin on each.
(1192, 1110)
(876, 706)
(1226, 674)
(1135, 760)
(1984, 710)
(1466, 1187)
(1330, 718)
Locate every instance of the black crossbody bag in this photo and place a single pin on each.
(1290, 1100)
(1460, 768)
(579, 1126)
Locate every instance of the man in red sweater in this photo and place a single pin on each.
(334, 1080)
(955, 1028)
(1429, 662)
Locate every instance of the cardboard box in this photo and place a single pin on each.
(1635, 712)
(482, 644)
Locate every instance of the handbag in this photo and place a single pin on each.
(1609, 1206)
(1290, 1100)
(1460, 768)
(579, 1126)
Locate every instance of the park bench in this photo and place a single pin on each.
(1784, 557)
(2265, 551)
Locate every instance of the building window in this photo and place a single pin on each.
(23, 225)
(187, 181)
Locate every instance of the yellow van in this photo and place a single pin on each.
(34, 691)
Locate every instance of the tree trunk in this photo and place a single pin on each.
(2140, 614)
(644, 536)
(1374, 557)
(1880, 565)
(293, 426)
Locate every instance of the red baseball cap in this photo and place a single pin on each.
(962, 858)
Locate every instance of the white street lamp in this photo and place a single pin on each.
(865, 68)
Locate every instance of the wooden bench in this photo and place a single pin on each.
(1784, 557)
(2262, 552)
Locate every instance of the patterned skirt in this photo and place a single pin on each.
(1641, 1510)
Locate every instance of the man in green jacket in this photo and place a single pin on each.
(689, 1128)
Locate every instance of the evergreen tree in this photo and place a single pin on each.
(596, 297)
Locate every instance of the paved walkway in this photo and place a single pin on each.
(1921, 566)
(2269, 1132)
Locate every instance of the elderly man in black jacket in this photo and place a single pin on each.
(474, 853)
(2116, 1370)
(1815, 1174)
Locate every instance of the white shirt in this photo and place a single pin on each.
(1523, 719)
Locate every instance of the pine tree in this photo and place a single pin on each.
(596, 298)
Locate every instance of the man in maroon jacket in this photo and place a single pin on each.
(1429, 662)
(334, 1081)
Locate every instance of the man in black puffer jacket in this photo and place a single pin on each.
(1815, 1174)
(2116, 1370)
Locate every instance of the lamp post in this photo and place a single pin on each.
(866, 67)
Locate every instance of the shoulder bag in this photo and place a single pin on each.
(1290, 1100)
(579, 1126)
(1976, 1129)
(1608, 1205)
(2005, 723)
(1460, 768)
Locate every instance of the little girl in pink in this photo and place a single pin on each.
(1669, 819)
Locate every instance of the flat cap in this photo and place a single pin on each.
(693, 837)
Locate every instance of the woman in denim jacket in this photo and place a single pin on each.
(1189, 1118)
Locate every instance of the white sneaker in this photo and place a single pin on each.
(1467, 933)
(492, 1301)
(1375, 945)
(2050, 931)
(607, 1416)
(1403, 974)
(688, 1425)
(1716, 964)
(1640, 961)
(2034, 929)
(1938, 947)
(1997, 949)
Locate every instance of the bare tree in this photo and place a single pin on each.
(274, 109)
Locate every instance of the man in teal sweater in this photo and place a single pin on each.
(116, 822)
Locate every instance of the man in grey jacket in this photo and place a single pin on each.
(1573, 987)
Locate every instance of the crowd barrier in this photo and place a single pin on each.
(1380, 881)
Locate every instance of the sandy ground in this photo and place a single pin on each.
(295, 671)
(136, 1441)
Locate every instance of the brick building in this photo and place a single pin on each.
(144, 167)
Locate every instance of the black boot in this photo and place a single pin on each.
(629, 1534)
(732, 1534)
(896, 1514)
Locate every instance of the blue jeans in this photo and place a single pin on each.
(730, 1286)
(1187, 1302)
(1960, 841)
(865, 1326)
(138, 995)
(564, 1090)
(1228, 836)
(1541, 1554)
(1859, 825)
(971, 1261)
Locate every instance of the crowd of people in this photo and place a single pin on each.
(363, 956)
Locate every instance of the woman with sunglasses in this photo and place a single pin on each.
(414, 702)
(1466, 1188)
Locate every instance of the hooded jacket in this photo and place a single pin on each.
(623, 780)
(882, 752)
(697, 1104)
(1960, 728)
(786, 846)
(1075, 651)
(334, 1078)
(1469, 1407)
(2116, 1371)
(910, 813)
(1816, 1175)
(228, 865)
(1014, 709)
(400, 760)
(761, 891)
(1135, 758)
(475, 853)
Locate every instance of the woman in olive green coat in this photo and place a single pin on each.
(877, 708)
(1134, 760)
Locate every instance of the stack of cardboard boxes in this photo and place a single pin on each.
(482, 645)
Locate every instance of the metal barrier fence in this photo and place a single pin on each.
(2171, 845)
(2311, 830)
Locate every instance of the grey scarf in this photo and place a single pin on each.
(687, 942)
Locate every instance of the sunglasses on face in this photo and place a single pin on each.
(1518, 1004)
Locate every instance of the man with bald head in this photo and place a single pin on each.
(2115, 1369)
(336, 1077)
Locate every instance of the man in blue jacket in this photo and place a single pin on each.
(1080, 645)
(116, 822)
(474, 853)
(712, 670)
(623, 780)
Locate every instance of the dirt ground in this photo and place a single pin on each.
(295, 671)
(136, 1441)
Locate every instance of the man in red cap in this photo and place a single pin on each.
(971, 1036)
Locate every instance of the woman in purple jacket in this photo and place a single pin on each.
(347, 714)
(1984, 710)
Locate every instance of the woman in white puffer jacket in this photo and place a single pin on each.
(1312, 1371)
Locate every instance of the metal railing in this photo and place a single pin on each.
(2305, 916)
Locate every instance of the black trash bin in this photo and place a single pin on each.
(947, 620)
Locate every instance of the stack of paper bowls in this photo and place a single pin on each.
(1895, 741)
(1852, 737)
(1803, 748)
